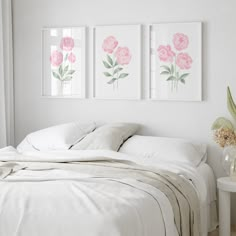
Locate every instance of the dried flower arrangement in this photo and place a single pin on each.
(225, 137)
(224, 131)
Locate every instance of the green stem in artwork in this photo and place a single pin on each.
(118, 73)
(175, 68)
(175, 75)
(113, 69)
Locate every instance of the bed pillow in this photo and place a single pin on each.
(107, 137)
(60, 137)
(157, 149)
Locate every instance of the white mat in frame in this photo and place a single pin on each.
(117, 62)
(176, 61)
(64, 62)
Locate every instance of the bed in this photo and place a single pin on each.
(101, 191)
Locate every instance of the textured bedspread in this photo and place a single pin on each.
(79, 193)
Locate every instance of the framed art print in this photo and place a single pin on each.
(176, 61)
(117, 62)
(63, 62)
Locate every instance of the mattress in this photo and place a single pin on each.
(210, 219)
(206, 188)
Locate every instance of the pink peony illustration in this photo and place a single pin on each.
(71, 58)
(165, 53)
(109, 44)
(67, 43)
(184, 61)
(180, 41)
(123, 55)
(114, 61)
(56, 58)
(175, 62)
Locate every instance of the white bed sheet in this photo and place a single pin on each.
(206, 185)
(202, 177)
(205, 182)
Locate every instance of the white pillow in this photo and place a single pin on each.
(107, 137)
(156, 149)
(60, 137)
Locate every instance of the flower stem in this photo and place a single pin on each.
(176, 85)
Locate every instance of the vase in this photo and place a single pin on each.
(233, 170)
(229, 161)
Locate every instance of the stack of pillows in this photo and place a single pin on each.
(78, 136)
(115, 137)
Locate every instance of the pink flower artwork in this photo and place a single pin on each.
(174, 63)
(123, 55)
(71, 58)
(165, 53)
(115, 60)
(63, 60)
(67, 43)
(109, 44)
(56, 58)
(180, 41)
(184, 61)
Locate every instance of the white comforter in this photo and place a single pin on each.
(38, 198)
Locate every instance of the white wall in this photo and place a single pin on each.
(178, 119)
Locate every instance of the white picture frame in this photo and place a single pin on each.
(117, 62)
(175, 55)
(63, 62)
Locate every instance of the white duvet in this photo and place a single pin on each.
(38, 198)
